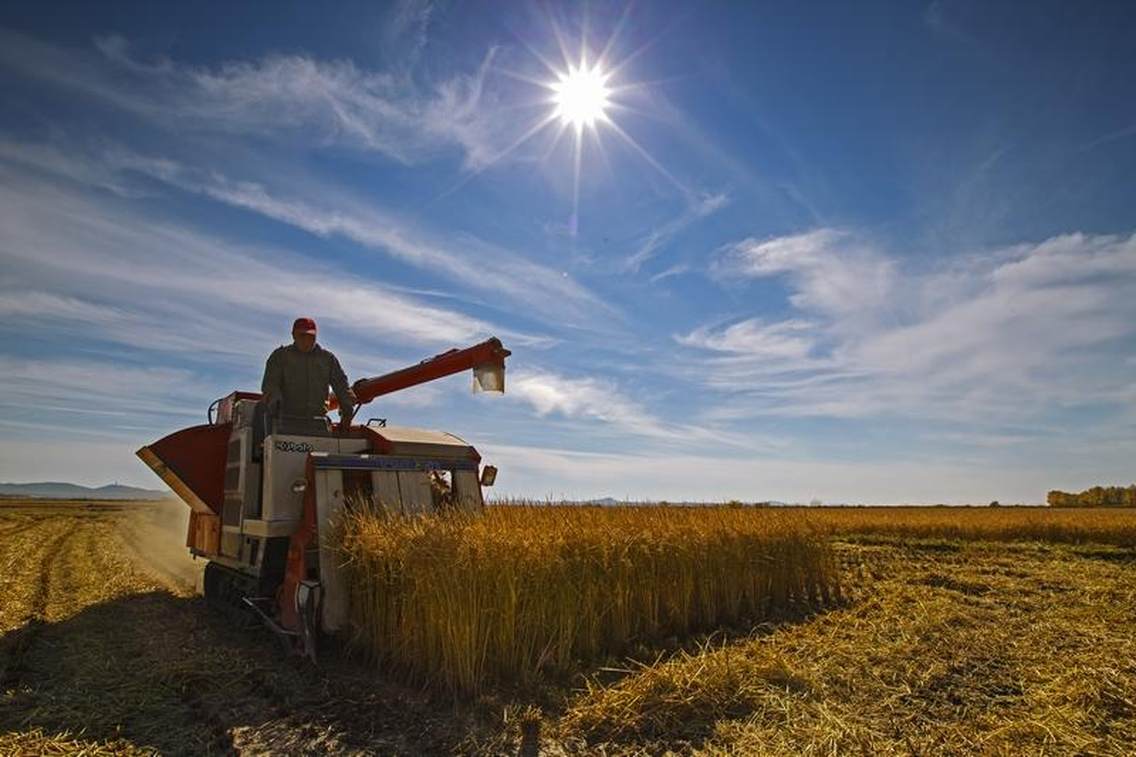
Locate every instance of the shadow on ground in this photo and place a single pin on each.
(163, 673)
(166, 674)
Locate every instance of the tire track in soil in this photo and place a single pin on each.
(200, 715)
(22, 526)
(253, 682)
(23, 571)
(252, 688)
(17, 643)
(149, 643)
(260, 687)
(19, 526)
(185, 681)
(70, 574)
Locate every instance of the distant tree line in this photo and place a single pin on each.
(1098, 496)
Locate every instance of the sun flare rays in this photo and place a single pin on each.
(582, 98)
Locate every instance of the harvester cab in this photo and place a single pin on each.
(264, 495)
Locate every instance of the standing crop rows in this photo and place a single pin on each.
(1113, 526)
(525, 591)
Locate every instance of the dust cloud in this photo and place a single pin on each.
(156, 534)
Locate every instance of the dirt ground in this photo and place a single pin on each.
(106, 648)
(941, 648)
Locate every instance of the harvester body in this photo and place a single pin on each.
(266, 495)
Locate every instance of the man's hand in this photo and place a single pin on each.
(344, 421)
(347, 412)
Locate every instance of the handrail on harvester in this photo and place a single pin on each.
(488, 353)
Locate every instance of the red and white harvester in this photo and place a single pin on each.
(262, 492)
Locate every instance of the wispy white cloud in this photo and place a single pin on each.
(470, 263)
(1008, 334)
(406, 30)
(280, 96)
(1113, 136)
(791, 339)
(666, 273)
(116, 300)
(598, 399)
(96, 250)
(831, 272)
(71, 164)
(697, 209)
(170, 327)
(46, 305)
(78, 387)
(585, 397)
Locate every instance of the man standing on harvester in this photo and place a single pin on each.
(296, 378)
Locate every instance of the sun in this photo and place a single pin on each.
(581, 96)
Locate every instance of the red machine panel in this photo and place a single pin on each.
(192, 463)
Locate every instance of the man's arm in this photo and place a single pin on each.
(342, 391)
(272, 385)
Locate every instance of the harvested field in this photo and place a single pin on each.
(941, 645)
(979, 649)
(102, 654)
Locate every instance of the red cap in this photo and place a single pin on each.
(304, 326)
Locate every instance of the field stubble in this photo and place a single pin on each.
(104, 653)
(946, 649)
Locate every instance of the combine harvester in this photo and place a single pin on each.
(262, 496)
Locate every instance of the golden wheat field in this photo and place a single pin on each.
(460, 602)
(561, 630)
(1065, 526)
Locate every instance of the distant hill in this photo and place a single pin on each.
(57, 490)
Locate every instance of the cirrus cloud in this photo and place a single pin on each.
(1016, 333)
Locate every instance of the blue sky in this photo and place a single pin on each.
(855, 252)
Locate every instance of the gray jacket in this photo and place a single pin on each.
(295, 383)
